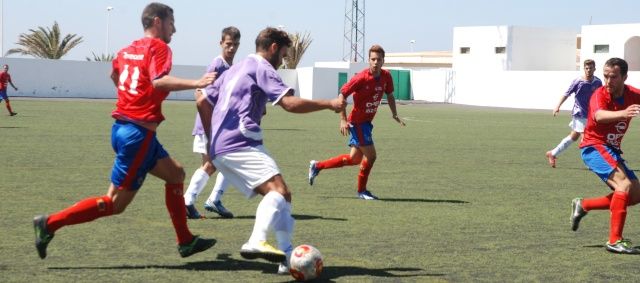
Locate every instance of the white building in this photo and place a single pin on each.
(601, 42)
(514, 48)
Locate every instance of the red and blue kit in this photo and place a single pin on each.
(5, 78)
(367, 92)
(137, 148)
(601, 143)
(139, 64)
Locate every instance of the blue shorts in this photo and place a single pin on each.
(361, 134)
(137, 151)
(3, 95)
(603, 160)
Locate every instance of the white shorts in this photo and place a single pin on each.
(578, 124)
(247, 169)
(200, 144)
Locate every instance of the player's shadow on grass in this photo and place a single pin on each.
(295, 216)
(12, 127)
(411, 200)
(224, 262)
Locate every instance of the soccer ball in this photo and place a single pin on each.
(305, 263)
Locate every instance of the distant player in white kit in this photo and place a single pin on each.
(229, 43)
(240, 96)
(583, 87)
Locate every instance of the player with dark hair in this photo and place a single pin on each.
(4, 79)
(141, 75)
(231, 115)
(229, 44)
(367, 88)
(583, 87)
(610, 111)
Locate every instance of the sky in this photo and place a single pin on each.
(392, 24)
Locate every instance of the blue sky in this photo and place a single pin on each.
(389, 23)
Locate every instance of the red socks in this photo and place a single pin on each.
(363, 176)
(85, 210)
(8, 105)
(597, 203)
(618, 209)
(175, 205)
(335, 162)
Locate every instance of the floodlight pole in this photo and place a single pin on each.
(106, 48)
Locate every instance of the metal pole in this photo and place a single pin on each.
(106, 48)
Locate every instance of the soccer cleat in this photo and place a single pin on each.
(367, 195)
(313, 171)
(192, 212)
(551, 159)
(622, 246)
(283, 269)
(197, 245)
(13, 114)
(262, 250)
(576, 213)
(218, 208)
(43, 237)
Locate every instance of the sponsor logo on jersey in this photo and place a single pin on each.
(133, 56)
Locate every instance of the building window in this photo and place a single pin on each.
(465, 50)
(601, 48)
(501, 50)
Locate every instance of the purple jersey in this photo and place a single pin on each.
(583, 90)
(218, 65)
(243, 94)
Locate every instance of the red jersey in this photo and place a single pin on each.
(609, 133)
(138, 65)
(367, 92)
(4, 79)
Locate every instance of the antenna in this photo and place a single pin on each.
(353, 42)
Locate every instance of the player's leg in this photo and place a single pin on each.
(369, 159)
(5, 97)
(200, 177)
(353, 158)
(169, 170)
(620, 181)
(214, 202)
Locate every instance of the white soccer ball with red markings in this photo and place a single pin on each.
(305, 263)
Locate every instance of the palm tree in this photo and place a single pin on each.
(299, 46)
(102, 57)
(45, 43)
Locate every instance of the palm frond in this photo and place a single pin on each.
(45, 43)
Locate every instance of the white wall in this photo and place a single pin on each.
(614, 35)
(541, 49)
(482, 40)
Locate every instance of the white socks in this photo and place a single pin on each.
(284, 230)
(197, 183)
(218, 189)
(268, 214)
(562, 146)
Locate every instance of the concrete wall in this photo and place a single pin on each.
(623, 41)
(541, 49)
(482, 42)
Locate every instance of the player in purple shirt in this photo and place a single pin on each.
(229, 44)
(233, 126)
(583, 87)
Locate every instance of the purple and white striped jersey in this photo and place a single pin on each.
(218, 65)
(244, 90)
(583, 90)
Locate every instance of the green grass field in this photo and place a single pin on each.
(466, 195)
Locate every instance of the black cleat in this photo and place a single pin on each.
(576, 213)
(192, 212)
(43, 237)
(218, 208)
(197, 245)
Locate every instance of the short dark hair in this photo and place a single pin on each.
(232, 32)
(377, 49)
(589, 62)
(271, 35)
(153, 10)
(621, 63)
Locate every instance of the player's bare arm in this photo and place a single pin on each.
(295, 104)
(391, 100)
(557, 109)
(171, 83)
(606, 116)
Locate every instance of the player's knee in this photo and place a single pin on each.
(209, 168)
